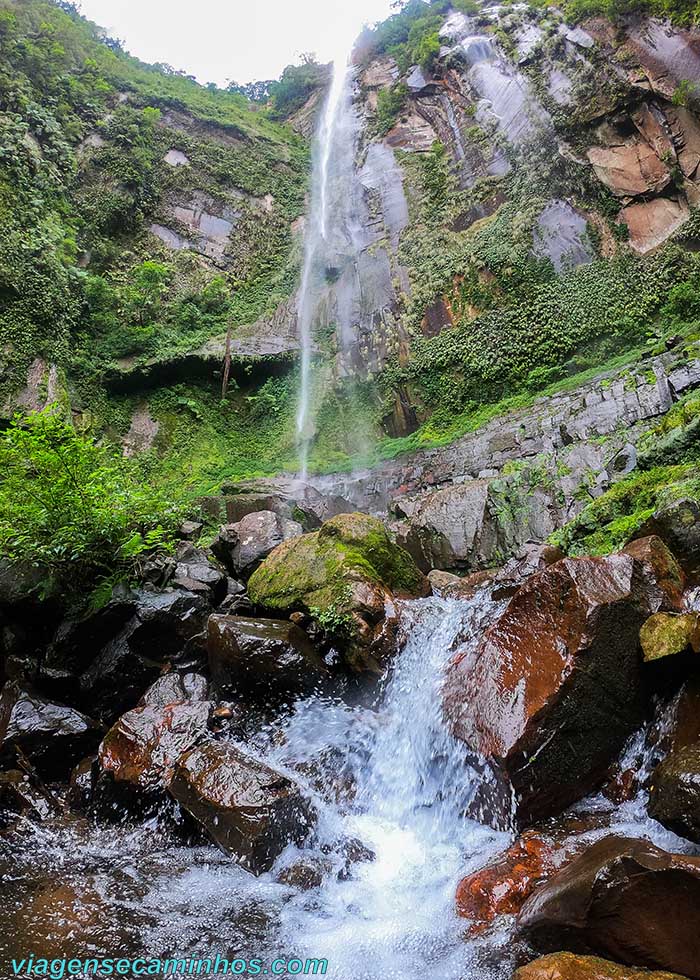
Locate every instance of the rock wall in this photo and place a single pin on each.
(519, 477)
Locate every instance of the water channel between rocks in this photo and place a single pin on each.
(75, 890)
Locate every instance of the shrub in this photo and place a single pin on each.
(76, 509)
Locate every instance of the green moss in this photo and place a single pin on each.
(607, 523)
(316, 571)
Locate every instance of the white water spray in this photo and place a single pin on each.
(317, 249)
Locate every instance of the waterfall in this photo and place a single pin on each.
(317, 249)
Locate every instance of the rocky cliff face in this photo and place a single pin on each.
(518, 206)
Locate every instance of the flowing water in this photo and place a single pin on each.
(330, 165)
(396, 781)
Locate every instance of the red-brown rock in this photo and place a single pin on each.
(504, 885)
(247, 808)
(553, 687)
(138, 755)
(626, 899)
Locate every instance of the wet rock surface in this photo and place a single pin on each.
(553, 688)
(51, 737)
(617, 898)
(245, 806)
(263, 657)
(503, 887)
(138, 755)
(665, 634)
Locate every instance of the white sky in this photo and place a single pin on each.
(243, 40)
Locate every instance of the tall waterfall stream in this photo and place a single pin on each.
(73, 889)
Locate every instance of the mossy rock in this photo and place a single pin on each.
(569, 966)
(343, 575)
(666, 634)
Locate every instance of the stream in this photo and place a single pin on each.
(400, 786)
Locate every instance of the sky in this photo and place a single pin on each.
(234, 40)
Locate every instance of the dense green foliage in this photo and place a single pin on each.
(75, 509)
(84, 130)
(390, 102)
(411, 35)
(295, 86)
(683, 12)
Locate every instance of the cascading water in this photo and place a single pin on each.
(317, 247)
(390, 776)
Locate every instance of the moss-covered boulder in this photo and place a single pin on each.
(570, 966)
(666, 634)
(346, 576)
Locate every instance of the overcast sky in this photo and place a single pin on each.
(242, 40)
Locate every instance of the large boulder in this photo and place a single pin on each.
(570, 966)
(677, 523)
(662, 570)
(77, 641)
(347, 576)
(667, 634)
(163, 625)
(242, 546)
(626, 899)
(505, 884)
(247, 808)
(263, 657)
(674, 793)
(450, 528)
(674, 798)
(53, 737)
(552, 689)
(138, 755)
(203, 578)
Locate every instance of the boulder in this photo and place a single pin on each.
(551, 690)
(450, 528)
(263, 657)
(174, 688)
(451, 586)
(247, 808)
(667, 634)
(626, 899)
(53, 737)
(630, 169)
(346, 576)
(674, 797)
(677, 523)
(81, 782)
(77, 641)
(505, 884)
(202, 578)
(191, 530)
(674, 790)
(650, 223)
(139, 753)
(117, 679)
(570, 966)
(162, 627)
(19, 794)
(531, 558)
(242, 546)
(662, 570)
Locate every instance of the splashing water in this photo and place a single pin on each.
(402, 788)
